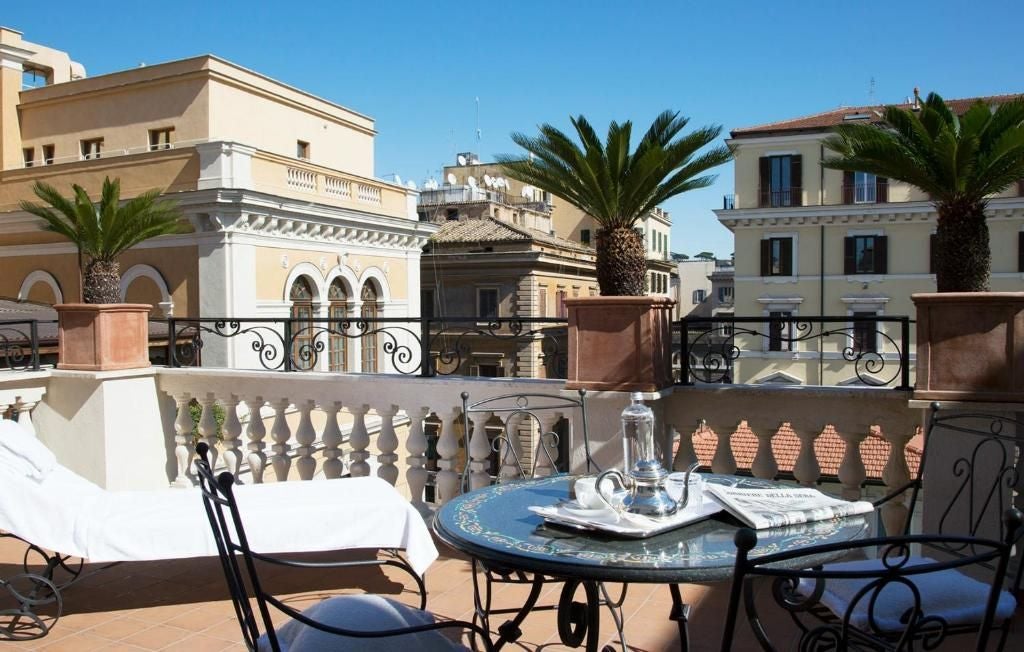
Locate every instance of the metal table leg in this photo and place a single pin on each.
(681, 614)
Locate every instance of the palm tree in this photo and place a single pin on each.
(617, 186)
(102, 232)
(959, 161)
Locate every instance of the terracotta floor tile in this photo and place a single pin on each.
(197, 643)
(80, 642)
(121, 628)
(157, 637)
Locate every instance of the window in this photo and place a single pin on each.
(585, 237)
(487, 303)
(92, 148)
(865, 334)
(301, 296)
(575, 291)
(542, 301)
(699, 296)
(864, 188)
(1020, 251)
(779, 331)
(725, 294)
(933, 253)
(452, 214)
(28, 154)
(337, 312)
(48, 151)
(592, 291)
(488, 370)
(777, 257)
(302, 150)
(865, 254)
(160, 138)
(781, 180)
(369, 310)
(561, 311)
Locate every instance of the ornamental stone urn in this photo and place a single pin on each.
(620, 343)
(102, 336)
(970, 346)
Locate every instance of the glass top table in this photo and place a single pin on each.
(494, 524)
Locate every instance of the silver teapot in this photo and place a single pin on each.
(646, 486)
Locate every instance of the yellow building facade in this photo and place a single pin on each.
(276, 184)
(813, 242)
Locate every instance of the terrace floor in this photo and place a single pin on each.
(184, 605)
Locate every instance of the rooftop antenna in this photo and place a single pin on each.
(478, 132)
(451, 179)
(461, 159)
(871, 90)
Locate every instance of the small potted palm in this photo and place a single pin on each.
(101, 333)
(620, 340)
(970, 342)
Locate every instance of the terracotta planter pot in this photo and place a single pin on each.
(970, 346)
(102, 337)
(620, 343)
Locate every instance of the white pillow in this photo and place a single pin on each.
(23, 452)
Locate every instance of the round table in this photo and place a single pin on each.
(495, 527)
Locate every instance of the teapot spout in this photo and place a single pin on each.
(684, 499)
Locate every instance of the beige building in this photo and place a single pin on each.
(569, 222)
(494, 258)
(810, 241)
(277, 184)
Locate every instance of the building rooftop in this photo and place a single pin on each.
(489, 229)
(846, 114)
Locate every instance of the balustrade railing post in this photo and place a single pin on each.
(208, 425)
(359, 440)
(33, 329)
(289, 346)
(426, 369)
(684, 358)
(281, 432)
(851, 469)
(305, 436)
(172, 359)
(904, 353)
(387, 444)
(232, 428)
(182, 440)
(333, 465)
(416, 445)
(255, 432)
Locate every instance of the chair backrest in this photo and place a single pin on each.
(882, 605)
(970, 466)
(226, 523)
(534, 412)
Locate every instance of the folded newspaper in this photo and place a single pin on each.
(765, 508)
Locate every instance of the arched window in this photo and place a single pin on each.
(370, 310)
(301, 296)
(337, 313)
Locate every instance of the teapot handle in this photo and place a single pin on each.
(615, 474)
(684, 498)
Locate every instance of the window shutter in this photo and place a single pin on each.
(766, 257)
(796, 177)
(881, 190)
(1020, 186)
(848, 182)
(787, 256)
(881, 254)
(932, 258)
(1020, 251)
(765, 183)
(849, 256)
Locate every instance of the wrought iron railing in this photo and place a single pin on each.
(19, 344)
(777, 197)
(728, 202)
(877, 347)
(403, 345)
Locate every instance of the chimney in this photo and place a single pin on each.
(917, 98)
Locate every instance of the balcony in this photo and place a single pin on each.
(780, 197)
(272, 426)
(875, 192)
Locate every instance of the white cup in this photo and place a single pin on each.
(587, 495)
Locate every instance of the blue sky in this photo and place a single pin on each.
(416, 67)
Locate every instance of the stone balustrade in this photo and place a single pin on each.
(325, 425)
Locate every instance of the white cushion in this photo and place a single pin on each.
(23, 454)
(361, 613)
(948, 594)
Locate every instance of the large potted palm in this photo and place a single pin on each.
(620, 340)
(970, 342)
(101, 333)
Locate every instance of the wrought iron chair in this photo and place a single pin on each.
(366, 622)
(525, 413)
(898, 601)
